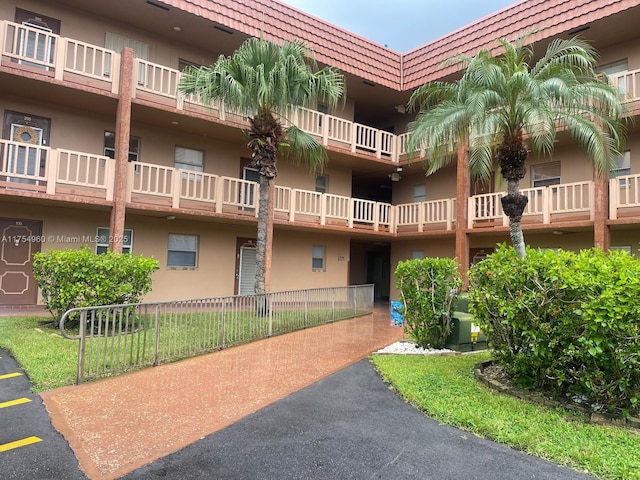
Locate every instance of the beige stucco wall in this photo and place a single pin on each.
(299, 176)
(65, 228)
(439, 185)
(621, 51)
(292, 253)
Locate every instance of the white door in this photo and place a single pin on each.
(247, 271)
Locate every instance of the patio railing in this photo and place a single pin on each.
(118, 338)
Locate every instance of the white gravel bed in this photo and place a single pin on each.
(404, 347)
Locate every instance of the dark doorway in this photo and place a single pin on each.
(370, 262)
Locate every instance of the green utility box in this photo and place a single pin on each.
(465, 334)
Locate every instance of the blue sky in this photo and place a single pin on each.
(400, 24)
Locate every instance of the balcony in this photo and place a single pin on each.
(77, 62)
(556, 203)
(27, 169)
(624, 197)
(61, 58)
(32, 168)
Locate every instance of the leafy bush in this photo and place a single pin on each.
(428, 288)
(564, 322)
(80, 278)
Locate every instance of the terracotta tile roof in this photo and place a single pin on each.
(550, 17)
(361, 57)
(332, 45)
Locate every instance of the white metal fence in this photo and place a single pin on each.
(117, 338)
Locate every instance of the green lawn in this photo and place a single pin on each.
(49, 359)
(445, 389)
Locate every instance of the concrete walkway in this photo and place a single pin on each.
(119, 424)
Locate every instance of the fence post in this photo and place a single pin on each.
(81, 346)
(333, 305)
(222, 335)
(156, 346)
(270, 311)
(355, 300)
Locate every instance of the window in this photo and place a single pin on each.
(102, 240)
(110, 146)
(322, 182)
(545, 174)
(317, 258)
(419, 193)
(189, 159)
(622, 167)
(615, 72)
(623, 248)
(417, 254)
(182, 251)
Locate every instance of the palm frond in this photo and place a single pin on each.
(304, 149)
(501, 97)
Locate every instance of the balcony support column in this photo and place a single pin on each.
(123, 130)
(462, 200)
(601, 232)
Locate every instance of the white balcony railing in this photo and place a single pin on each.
(27, 167)
(60, 57)
(66, 59)
(564, 201)
(298, 205)
(424, 215)
(624, 196)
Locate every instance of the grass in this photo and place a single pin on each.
(445, 389)
(49, 359)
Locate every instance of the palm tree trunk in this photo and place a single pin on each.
(264, 242)
(517, 238)
(264, 245)
(515, 223)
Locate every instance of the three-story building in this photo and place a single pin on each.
(98, 149)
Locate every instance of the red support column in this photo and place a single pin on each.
(601, 232)
(462, 201)
(123, 130)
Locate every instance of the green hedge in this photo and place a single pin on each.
(80, 278)
(428, 288)
(564, 322)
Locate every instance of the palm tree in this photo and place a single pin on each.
(505, 105)
(263, 80)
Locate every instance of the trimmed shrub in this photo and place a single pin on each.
(428, 288)
(80, 278)
(563, 322)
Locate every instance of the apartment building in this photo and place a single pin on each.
(95, 140)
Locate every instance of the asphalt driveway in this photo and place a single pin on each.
(347, 426)
(30, 448)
